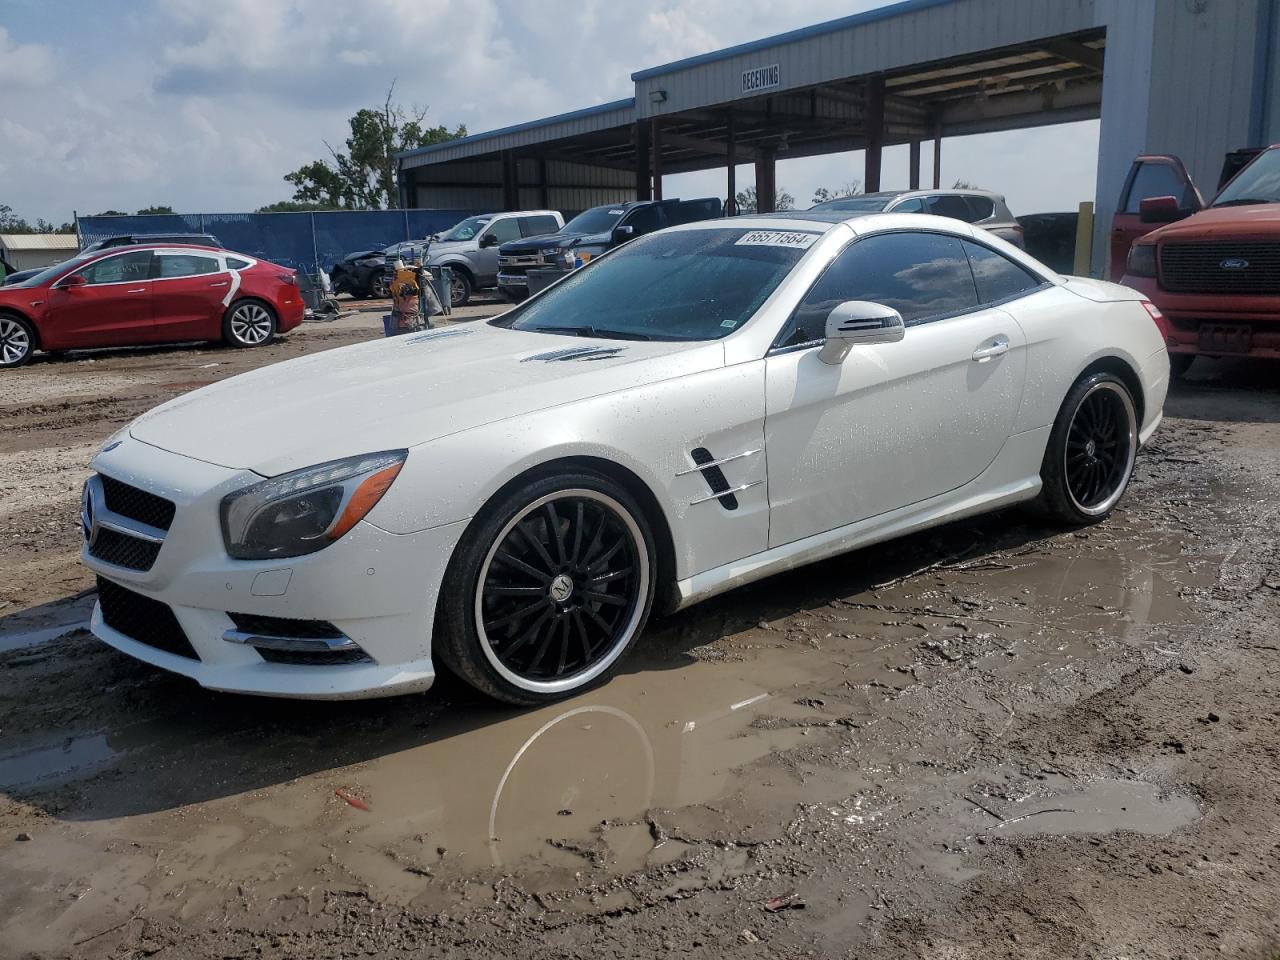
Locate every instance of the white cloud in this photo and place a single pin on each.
(25, 65)
(207, 105)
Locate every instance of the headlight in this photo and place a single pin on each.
(1142, 260)
(301, 512)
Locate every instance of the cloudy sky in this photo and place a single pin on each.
(205, 104)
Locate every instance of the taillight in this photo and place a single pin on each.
(1152, 309)
(289, 278)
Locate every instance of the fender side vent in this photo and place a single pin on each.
(715, 477)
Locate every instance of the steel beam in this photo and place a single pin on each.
(875, 133)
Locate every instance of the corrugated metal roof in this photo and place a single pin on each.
(39, 241)
(803, 33)
(460, 146)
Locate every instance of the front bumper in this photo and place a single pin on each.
(513, 280)
(377, 588)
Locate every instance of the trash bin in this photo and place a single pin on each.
(442, 280)
(543, 277)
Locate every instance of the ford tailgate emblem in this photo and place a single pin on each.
(1234, 263)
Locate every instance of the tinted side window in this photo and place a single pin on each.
(1157, 180)
(538, 226)
(125, 268)
(235, 263)
(913, 205)
(505, 229)
(184, 265)
(998, 277)
(948, 205)
(921, 275)
(980, 208)
(645, 219)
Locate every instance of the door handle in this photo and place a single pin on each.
(998, 348)
(221, 283)
(136, 290)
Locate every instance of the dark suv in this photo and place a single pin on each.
(979, 207)
(590, 234)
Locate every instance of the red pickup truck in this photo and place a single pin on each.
(1214, 274)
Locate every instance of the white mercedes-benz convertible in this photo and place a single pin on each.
(694, 411)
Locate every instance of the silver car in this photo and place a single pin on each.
(979, 207)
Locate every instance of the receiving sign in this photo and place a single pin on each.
(761, 78)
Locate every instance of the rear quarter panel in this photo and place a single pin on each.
(1068, 332)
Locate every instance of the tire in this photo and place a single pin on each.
(1180, 363)
(379, 287)
(1089, 460)
(527, 618)
(460, 288)
(248, 323)
(17, 341)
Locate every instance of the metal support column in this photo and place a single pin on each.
(544, 193)
(766, 183)
(937, 154)
(875, 133)
(656, 136)
(644, 183)
(731, 173)
(510, 188)
(913, 165)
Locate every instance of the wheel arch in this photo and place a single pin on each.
(630, 481)
(19, 315)
(252, 298)
(1121, 368)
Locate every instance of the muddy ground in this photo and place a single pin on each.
(997, 739)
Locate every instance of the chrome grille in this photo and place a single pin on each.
(123, 526)
(124, 551)
(1199, 267)
(137, 504)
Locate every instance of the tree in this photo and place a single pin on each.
(10, 222)
(964, 185)
(364, 176)
(293, 206)
(746, 200)
(850, 189)
(152, 211)
(111, 213)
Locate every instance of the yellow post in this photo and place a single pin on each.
(1084, 240)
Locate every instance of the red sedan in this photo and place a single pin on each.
(155, 293)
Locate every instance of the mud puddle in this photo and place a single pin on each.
(77, 756)
(44, 623)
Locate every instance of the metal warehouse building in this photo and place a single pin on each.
(1194, 78)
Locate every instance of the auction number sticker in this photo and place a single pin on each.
(777, 238)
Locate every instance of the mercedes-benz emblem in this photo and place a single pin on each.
(88, 513)
(1234, 263)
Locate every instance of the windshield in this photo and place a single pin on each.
(48, 273)
(1259, 182)
(595, 220)
(465, 230)
(856, 204)
(673, 285)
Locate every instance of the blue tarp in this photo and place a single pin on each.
(298, 240)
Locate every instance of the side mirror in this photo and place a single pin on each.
(1161, 210)
(71, 281)
(489, 240)
(623, 234)
(859, 321)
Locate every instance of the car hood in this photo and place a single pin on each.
(402, 391)
(1262, 219)
(534, 244)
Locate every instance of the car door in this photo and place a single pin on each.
(1153, 176)
(111, 308)
(894, 424)
(187, 295)
(503, 230)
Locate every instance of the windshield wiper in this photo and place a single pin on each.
(1244, 201)
(590, 331)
